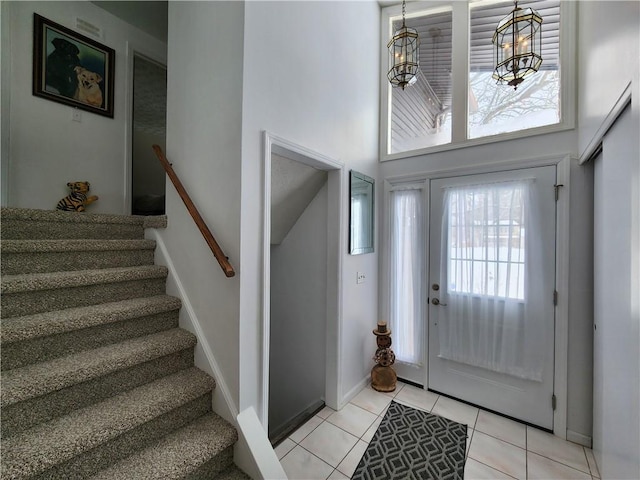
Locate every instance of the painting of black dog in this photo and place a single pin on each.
(60, 68)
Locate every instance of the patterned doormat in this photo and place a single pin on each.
(412, 444)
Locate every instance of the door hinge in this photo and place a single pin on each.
(555, 297)
(556, 187)
(553, 402)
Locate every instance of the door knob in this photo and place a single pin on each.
(435, 301)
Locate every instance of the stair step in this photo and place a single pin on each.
(205, 443)
(232, 473)
(30, 224)
(44, 292)
(39, 379)
(44, 336)
(42, 391)
(40, 256)
(93, 438)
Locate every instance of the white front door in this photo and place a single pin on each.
(491, 291)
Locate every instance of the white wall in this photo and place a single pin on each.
(204, 105)
(609, 42)
(299, 315)
(311, 77)
(608, 49)
(46, 148)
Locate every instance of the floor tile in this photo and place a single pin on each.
(337, 475)
(456, 411)
(555, 448)
(469, 438)
(542, 468)
(368, 435)
(329, 443)
(502, 456)
(350, 462)
(474, 470)
(416, 397)
(502, 428)
(353, 419)
(593, 466)
(305, 429)
(300, 464)
(370, 400)
(325, 412)
(284, 447)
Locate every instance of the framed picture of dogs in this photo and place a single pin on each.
(72, 69)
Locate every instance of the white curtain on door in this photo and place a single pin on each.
(406, 265)
(491, 267)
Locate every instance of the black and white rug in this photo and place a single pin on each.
(413, 444)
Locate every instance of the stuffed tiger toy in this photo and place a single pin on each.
(77, 200)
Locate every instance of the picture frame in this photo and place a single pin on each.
(72, 69)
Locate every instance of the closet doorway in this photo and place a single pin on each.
(303, 195)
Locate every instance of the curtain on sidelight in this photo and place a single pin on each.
(406, 265)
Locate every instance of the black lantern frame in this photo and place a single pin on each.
(403, 55)
(518, 46)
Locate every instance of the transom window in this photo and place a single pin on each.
(455, 101)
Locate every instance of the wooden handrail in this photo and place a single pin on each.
(206, 233)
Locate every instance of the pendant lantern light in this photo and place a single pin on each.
(403, 55)
(518, 46)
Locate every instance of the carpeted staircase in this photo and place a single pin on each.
(98, 380)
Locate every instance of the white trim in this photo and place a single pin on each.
(204, 357)
(486, 167)
(609, 120)
(460, 18)
(561, 356)
(579, 438)
(568, 94)
(335, 249)
(563, 163)
(337, 186)
(128, 130)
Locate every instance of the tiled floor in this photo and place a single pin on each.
(330, 445)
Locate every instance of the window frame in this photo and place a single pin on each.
(460, 77)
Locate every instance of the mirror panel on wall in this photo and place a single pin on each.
(361, 213)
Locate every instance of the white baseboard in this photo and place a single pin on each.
(579, 438)
(354, 391)
(204, 359)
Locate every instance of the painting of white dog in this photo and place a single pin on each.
(88, 90)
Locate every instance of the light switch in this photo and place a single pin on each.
(360, 277)
(77, 115)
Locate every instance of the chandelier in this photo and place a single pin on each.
(518, 46)
(403, 55)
